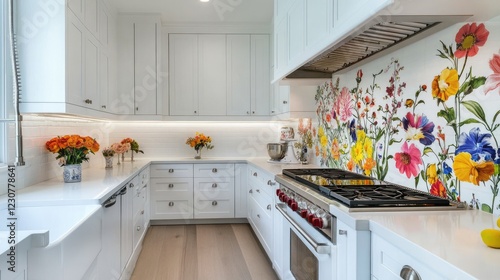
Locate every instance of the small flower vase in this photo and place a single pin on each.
(198, 154)
(118, 163)
(72, 173)
(109, 162)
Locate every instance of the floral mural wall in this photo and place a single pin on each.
(425, 117)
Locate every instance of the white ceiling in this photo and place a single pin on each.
(194, 11)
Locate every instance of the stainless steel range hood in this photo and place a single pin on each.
(404, 22)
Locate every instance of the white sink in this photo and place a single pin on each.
(74, 239)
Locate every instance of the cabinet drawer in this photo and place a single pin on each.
(214, 170)
(388, 261)
(171, 170)
(265, 180)
(213, 208)
(144, 177)
(171, 187)
(207, 188)
(263, 223)
(139, 200)
(171, 209)
(139, 228)
(263, 199)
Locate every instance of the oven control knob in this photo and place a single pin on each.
(294, 206)
(290, 201)
(278, 192)
(284, 198)
(317, 222)
(303, 213)
(310, 217)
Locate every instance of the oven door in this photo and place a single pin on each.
(307, 254)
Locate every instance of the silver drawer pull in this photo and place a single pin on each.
(250, 191)
(142, 212)
(214, 185)
(408, 273)
(138, 228)
(214, 170)
(170, 170)
(258, 216)
(271, 183)
(171, 203)
(257, 190)
(170, 186)
(269, 207)
(131, 185)
(342, 232)
(255, 174)
(214, 203)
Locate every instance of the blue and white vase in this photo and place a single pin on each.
(72, 173)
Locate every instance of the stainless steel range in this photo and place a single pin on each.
(305, 198)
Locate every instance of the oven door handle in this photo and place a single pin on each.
(320, 248)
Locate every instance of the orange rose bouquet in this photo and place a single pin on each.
(200, 141)
(74, 149)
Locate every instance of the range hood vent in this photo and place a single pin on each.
(360, 47)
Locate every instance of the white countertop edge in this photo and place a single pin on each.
(37, 238)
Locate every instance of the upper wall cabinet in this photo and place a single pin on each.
(64, 65)
(219, 75)
(248, 75)
(305, 28)
(138, 65)
(197, 67)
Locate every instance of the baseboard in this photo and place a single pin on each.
(198, 221)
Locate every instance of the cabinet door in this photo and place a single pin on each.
(127, 225)
(316, 21)
(296, 30)
(103, 24)
(183, 70)
(280, 46)
(284, 101)
(238, 75)
(103, 81)
(75, 38)
(91, 16)
(212, 75)
(76, 6)
(91, 72)
(261, 84)
(145, 93)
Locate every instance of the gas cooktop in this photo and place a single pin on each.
(357, 191)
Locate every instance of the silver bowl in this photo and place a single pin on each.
(277, 151)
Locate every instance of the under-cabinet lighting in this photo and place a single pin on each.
(204, 0)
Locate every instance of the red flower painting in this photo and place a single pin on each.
(469, 38)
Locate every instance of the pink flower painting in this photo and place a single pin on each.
(493, 80)
(408, 161)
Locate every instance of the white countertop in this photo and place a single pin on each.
(439, 236)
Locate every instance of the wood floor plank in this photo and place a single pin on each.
(255, 257)
(192, 252)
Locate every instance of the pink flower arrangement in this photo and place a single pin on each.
(120, 148)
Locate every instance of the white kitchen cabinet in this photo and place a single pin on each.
(280, 47)
(280, 99)
(248, 76)
(103, 24)
(213, 191)
(317, 21)
(127, 223)
(388, 260)
(212, 74)
(240, 190)
(138, 67)
(183, 74)
(171, 191)
(296, 31)
(65, 79)
(104, 80)
(261, 187)
(197, 65)
(353, 253)
(278, 259)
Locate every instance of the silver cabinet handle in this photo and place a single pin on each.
(250, 191)
(137, 108)
(214, 170)
(142, 212)
(258, 216)
(171, 203)
(271, 183)
(103, 106)
(214, 185)
(255, 174)
(195, 112)
(170, 170)
(131, 185)
(253, 112)
(88, 101)
(285, 102)
(257, 190)
(170, 186)
(321, 248)
(138, 228)
(342, 232)
(269, 207)
(408, 273)
(214, 203)
(248, 113)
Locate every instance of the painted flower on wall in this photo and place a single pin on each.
(418, 128)
(438, 189)
(468, 170)
(493, 80)
(408, 160)
(469, 38)
(476, 144)
(445, 84)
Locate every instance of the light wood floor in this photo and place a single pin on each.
(205, 252)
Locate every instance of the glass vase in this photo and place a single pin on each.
(109, 162)
(72, 173)
(131, 155)
(118, 163)
(198, 154)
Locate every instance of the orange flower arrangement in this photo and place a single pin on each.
(74, 149)
(200, 141)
